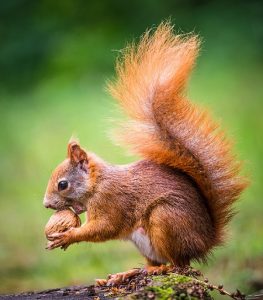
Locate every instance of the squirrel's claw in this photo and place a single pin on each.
(54, 236)
(64, 247)
(158, 270)
(119, 278)
(54, 244)
(59, 240)
(51, 245)
(101, 282)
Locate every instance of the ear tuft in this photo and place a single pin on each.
(75, 153)
(72, 139)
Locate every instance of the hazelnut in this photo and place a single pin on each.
(62, 221)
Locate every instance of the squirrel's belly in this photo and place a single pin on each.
(143, 243)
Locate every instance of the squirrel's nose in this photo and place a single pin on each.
(46, 203)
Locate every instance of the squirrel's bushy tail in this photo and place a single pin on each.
(168, 129)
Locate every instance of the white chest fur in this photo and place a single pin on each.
(143, 243)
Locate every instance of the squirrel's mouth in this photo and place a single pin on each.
(78, 207)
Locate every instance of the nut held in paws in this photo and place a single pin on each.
(61, 221)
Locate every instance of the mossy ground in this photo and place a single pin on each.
(181, 284)
(175, 286)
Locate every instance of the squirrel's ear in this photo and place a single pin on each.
(75, 153)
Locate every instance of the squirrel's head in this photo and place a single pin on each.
(70, 182)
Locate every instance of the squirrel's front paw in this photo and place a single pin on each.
(61, 240)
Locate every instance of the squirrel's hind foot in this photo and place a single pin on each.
(118, 278)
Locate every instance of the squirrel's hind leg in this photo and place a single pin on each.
(168, 231)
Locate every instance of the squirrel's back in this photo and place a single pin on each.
(168, 129)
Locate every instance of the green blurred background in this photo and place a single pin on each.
(54, 59)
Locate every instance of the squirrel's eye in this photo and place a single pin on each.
(62, 185)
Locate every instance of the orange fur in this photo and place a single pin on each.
(175, 203)
(168, 129)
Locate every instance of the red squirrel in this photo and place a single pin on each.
(174, 203)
